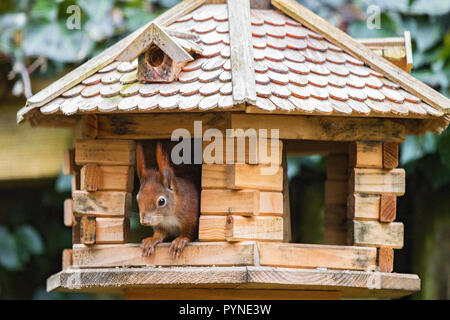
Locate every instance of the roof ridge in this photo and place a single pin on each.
(336, 36)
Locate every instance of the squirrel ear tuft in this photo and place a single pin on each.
(140, 161)
(161, 158)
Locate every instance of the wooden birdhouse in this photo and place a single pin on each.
(269, 70)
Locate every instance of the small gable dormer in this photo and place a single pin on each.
(162, 53)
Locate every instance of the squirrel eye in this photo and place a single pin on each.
(161, 201)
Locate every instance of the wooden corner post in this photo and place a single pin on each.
(374, 184)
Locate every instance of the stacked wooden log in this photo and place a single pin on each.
(374, 184)
(240, 201)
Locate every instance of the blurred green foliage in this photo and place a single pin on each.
(32, 235)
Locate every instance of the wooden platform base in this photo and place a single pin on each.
(349, 284)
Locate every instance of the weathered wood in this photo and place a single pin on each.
(87, 230)
(66, 259)
(362, 206)
(112, 230)
(109, 178)
(315, 256)
(377, 181)
(68, 212)
(194, 254)
(323, 128)
(76, 236)
(254, 228)
(386, 259)
(388, 207)
(68, 162)
(309, 147)
(352, 46)
(246, 202)
(337, 166)
(237, 228)
(376, 234)
(390, 155)
(366, 154)
(260, 4)
(244, 176)
(106, 152)
(214, 176)
(156, 126)
(87, 127)
(90, 177)
(228, 294)
(155, 66)
(167, 44)
(101, 203)
(352, 284)
(241, 52)
(287, 231)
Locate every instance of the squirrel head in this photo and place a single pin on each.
(157, 194)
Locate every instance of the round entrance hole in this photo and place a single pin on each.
(155, 56)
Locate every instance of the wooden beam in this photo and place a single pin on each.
(310, 147)
(167, 44)
(315, 256)
(246, 202)
(106, 152)
(66, 259)
(109, 178)
(352, 46)
(112, 230)
(87, 127)
(90, 177)
(376, 234)
(386, 259)
(87, 230)
(76, 236)
(214, 176)
(336, 192)
(362, 206)
(322, 128)
(388, 207)
(377, 181)
(366, 154)
(68, 213)
(162, 125)
(101, 203)
(390, 155)
(241, 49)
(335, 225)
(194, 254)
(337, 166)
(228, 294)
(68, 162)
(238, 228)
(287, 230)
(244, 176)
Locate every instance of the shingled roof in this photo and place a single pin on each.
(294, 70)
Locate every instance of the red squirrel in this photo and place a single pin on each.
(168, 203)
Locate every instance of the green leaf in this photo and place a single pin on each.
(44, 9)
(29, 240)
(9, 258)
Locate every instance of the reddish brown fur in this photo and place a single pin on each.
(179, 216)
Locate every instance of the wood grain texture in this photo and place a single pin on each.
(352, 46)
(101, 203)
(377, 181)
(376, 234)
(87, 230)
(76, 230)
(386, 259)
(86, 127)
(66, 259)
(314, 256)
(194, 254)
(68, 162)
(68, 212)
(106, 152)
(366, 154)
(322, 128)
(335, 224)
(362, 206)
(110, 178)
(112, 230)
(156, 126)
(228, 294)
(287, 230)
(388, 207)
(352, 284)
(241, 52)
(90, 177)
(214, 176)
(167, 44)
(390, 155)
(244, 176)
(245, 202)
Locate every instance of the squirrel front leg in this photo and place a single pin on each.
(148, 244)
(187, 235)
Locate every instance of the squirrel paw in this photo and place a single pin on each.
(148, 246)
(177, 246)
